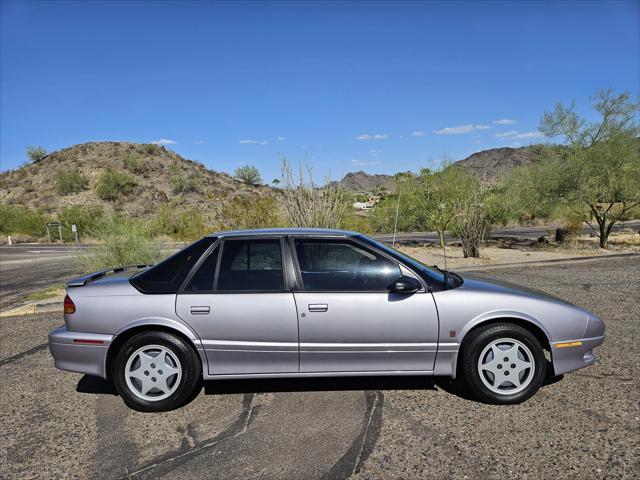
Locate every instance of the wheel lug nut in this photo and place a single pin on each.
(513, 365)
(146, 372)
(153, 379)
(159, 372)
(499, 366)
(153, 365)
(506, 372)
(505, 359)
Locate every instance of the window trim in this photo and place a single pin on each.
(221, 242)
(299, 288)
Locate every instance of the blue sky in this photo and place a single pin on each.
(378, 86)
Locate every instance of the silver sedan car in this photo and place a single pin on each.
(311, 303)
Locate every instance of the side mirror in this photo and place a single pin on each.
(405, 284)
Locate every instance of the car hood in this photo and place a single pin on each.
(472, 282)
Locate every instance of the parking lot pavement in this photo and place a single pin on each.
(585, 425)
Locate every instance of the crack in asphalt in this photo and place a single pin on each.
(21, 355)
(165, 463)
(353, 459)
(350, 463)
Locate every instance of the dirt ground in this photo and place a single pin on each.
(497, 253)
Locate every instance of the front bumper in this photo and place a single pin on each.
(80, 352)
(569, 355)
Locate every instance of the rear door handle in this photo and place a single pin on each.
(318, 307)
(200, 310)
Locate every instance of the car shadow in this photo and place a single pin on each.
(100, 386)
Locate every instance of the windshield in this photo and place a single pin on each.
(430, 273)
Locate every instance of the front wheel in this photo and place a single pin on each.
(156, 371)
(503, 363)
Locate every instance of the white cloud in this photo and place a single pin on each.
(482, 127)
(377, 136)
(253, 142)
(164, 141)
(522, 136)
(419, 133)
(198, 142)
(374, 152)
(515, 135)
(362, 163)
(510, 133)
(515, 145)
(504, 121)
(280, 139)
(455, 130)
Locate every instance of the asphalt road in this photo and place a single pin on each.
(585, 425)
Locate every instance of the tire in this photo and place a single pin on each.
(503, 364)
(148, 383)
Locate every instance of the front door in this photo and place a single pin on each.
(238, 304)
(349, 321)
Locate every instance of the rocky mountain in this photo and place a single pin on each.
(494, 163)
(155, 177)
(490, 164)
(361, 182)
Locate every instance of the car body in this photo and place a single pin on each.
(312, 302)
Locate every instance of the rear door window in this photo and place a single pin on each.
(251, 265)
(168, 275)
(343, 265)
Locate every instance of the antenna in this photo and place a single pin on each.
(395, 226)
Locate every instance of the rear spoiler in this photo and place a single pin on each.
(84, 279)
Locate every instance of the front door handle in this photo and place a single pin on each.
(318, 307)
(200, 310)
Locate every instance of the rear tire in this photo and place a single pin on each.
(156, 372)
(503, 363)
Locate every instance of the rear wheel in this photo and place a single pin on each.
(503, 363)
(156, 371)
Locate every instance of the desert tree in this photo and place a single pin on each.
(248, 174)
(472, 218)
(308, 205)
(597, 176)
(35, 154)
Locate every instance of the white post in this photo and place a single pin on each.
(9, 240)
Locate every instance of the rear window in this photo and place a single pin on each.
(168, 275)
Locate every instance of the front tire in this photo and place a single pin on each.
(503, 363)
(156, 372)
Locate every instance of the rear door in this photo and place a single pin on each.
(239, 303)
(349, 321)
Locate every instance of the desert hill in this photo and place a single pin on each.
(157, 176)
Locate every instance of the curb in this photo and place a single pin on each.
(542, 263)
(32, 308)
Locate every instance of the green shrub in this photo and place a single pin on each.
(253, 212)
(18, 219)
(88, 220)
(71, 181)
(152, 149)
(181, 224)
(182, 184)
(124, 243)
(113, 184)
(248, 174)
(35, 154)
(132, 163)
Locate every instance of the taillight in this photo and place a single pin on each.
(69, 306)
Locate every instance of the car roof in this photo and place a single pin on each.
(285, 231)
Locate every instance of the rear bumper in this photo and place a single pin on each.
(569, 355)
(80, 352)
